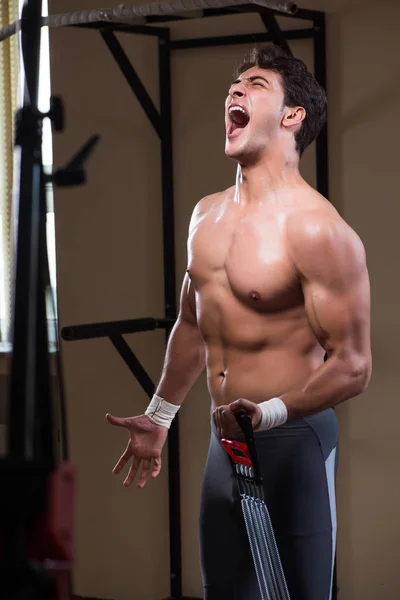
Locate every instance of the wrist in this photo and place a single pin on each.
(257, 424)
(161, 412)
(273, 414)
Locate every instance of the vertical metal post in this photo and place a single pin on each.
(44, 442)
(320, 75)
(164, 55)
(319, 47)
(167, 176)
(272, 26)
(30, 451)
(25, 356)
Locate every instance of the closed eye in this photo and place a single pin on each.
(258, 80)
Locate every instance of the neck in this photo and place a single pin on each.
(263, 181)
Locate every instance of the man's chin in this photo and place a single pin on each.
(245, 153)
(233, 151)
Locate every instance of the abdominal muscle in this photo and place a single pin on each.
(255, 355)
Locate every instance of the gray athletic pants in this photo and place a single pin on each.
(298, 465)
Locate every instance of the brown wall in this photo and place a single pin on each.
(364, 88)
(109, 258)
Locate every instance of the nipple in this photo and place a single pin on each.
(254, 296)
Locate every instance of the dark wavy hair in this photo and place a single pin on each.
(299, 85)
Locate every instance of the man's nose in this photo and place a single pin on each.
(237, 90)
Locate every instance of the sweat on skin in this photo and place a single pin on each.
(275, 279)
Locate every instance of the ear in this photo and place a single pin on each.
(293, 115)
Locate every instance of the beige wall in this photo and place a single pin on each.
(365, 90)
(110, 267)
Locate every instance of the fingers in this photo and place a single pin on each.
(225, 422)
(132, 472)
(141, 450)
(122, 461)
(145, 473)
(157, 467)
(250, 408)
(242, 405)
(116, 420)
(237, 406)
(217, 421)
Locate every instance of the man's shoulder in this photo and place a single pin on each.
(215, 199)
(315, 218)
(316, 233)
(206, 204)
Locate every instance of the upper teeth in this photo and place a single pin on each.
(232, 108)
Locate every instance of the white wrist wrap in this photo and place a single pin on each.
(274, 413)
(161, 412)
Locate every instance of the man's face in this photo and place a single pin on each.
(253, 113)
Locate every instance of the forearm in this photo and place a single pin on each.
(184, 362)
(333, 382)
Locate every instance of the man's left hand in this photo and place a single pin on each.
(225, 421)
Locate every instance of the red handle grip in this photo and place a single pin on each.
(238, 452)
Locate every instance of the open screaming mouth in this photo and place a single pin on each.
(239, 120)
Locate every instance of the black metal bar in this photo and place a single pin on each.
(306, 15)
(170, 18)
(230, 10)
(302, 14)
(277, 35)
(133, 363)
(322, 165)
(247, 38)
(150, 29)
(45, 426)
(60, 389)
(167, 177)
(25, 358)
(132, 78)
(123, 28)
(164, 62)
(109, 328)
(320, 75)
(30, 448)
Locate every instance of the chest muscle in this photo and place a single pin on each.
(244, 256)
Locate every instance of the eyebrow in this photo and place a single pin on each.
(253, 78)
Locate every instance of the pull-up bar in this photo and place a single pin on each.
(132, 13)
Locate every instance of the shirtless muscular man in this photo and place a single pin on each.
(275, 280)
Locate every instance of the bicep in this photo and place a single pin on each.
(337, 295)
(187, 309)
(339, 316)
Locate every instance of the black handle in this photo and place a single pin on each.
(244, 422)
